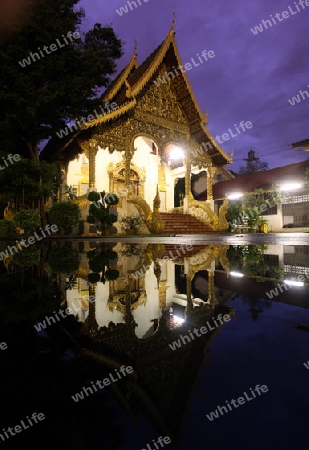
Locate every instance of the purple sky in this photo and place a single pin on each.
(251, 76)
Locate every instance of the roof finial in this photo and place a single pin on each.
(174, 20)
(135, 46)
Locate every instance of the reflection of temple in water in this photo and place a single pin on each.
(157, 298)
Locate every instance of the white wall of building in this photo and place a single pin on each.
(143, 159)
(103, 158)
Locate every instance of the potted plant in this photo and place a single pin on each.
(262, 225)
(131, 224)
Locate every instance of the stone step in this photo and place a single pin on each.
(184, 224)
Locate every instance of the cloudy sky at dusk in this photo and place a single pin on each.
(251, 77)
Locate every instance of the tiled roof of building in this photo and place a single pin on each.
(302, 144)
(261, 180)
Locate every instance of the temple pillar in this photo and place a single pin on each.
(210, 175)
(211, 289)
(189, 307)
(128, 317)
(128, 158)
(162, 296)
(92, 323)
(188, 194)
(92, 156)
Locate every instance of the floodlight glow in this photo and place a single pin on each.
(294, 283)
(178, 320)
(237, 274)
(235, 196)
(290, 186)
(176, 153)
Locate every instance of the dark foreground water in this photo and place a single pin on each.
(150, 346)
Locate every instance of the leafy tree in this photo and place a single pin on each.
(234, 215)
(28, 220)
(253, 165)
(99, 210)
(41, 93)
(70, 192)
(27, 257)
(27, 183)
(259, 197)
(64, 215)
(63, 259)
(7, 228)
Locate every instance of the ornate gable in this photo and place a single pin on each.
(161, 101)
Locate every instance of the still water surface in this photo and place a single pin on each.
(131, 346)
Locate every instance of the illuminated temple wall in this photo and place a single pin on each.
(143, 160)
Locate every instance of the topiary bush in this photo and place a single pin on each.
(99, 210)
(65, 215)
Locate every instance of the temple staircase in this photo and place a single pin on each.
(184, 224)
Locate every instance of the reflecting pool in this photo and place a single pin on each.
(152, 345)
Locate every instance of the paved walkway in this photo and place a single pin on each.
(290, 238)
(293, 230)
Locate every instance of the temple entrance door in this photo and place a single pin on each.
(179, 192)
(135, 183)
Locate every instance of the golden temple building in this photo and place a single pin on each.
(149, 134)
